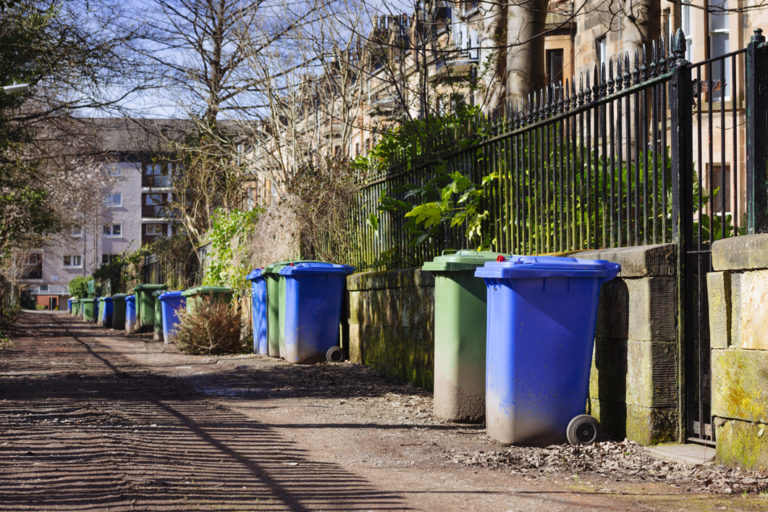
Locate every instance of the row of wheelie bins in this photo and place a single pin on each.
(296, 310)
(150, 307)
(513, 343)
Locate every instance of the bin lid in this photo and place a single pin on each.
(206, 290)
(316, 268)
(274, 268)
(130, 297)
(547, 266)
(148, 286)
(87, 300)
(254, 274)
(170, 295)
(107, 299)
(119, 296)
(157, 293)
(464, 259)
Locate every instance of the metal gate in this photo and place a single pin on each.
(718, 115)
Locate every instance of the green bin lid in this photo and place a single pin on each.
(119, 296)
(274, 268)
(465, 259)
(148, 286)
(206, 290)
(157, 293)
(87, 300)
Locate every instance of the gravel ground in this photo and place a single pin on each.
(91, 419)
(620, 461)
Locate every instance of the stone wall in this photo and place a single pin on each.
(738, 319)
(633, 384)
(391, 318)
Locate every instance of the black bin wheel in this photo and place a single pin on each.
(334, 355)
(583, 429)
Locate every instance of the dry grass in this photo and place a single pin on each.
(213, 328)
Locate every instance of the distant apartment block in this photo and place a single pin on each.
(135, 211)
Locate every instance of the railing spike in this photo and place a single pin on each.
(619, 80)
(610, 76)
(643, 67)
(678, 45)
(653, 58)
(636, 70)
(627, 75)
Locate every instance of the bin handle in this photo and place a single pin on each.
(448, 251)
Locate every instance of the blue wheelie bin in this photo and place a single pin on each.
(314, 293)
(542, 312)
(69, 305)
(130, 314)
(259, 311)
(170, 304)
(106, 312)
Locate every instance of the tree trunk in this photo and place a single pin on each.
(525, 48)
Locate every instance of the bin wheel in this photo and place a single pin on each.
(583, 429)
(334, 355)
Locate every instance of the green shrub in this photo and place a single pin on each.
(213, 328)
(78, 287)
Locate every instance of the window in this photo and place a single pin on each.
(113, 229)
(33, 267)
(76, 231)
(153, 169)
(154, 199)
(155, 229)
(108, 258)
(73, 261)
(555, 66)
(721, 194)
(687, 26)
(114, 200)
(601, 47)
(719, 44)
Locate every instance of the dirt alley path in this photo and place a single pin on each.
(91, 419)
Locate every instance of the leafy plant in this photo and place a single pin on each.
(227, 264)
(78, 287)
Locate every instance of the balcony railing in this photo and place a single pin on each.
(156, 212)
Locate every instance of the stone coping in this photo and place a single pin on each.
(748, 252)
(639, 261)
(390, 279)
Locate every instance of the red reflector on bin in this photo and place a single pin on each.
(500, 258)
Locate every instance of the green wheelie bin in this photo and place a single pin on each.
(88, 314)
(195, 296)
(118, 311)
(75, 306)
(145, 305)
(460, 327)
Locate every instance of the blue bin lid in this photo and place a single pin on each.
(254, 274)
(130, 297)
(316, 268)
(107, 299)
(547, 266)
(169, 295)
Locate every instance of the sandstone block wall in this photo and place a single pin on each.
(738, 320)
(634, 388)
(391, 319)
